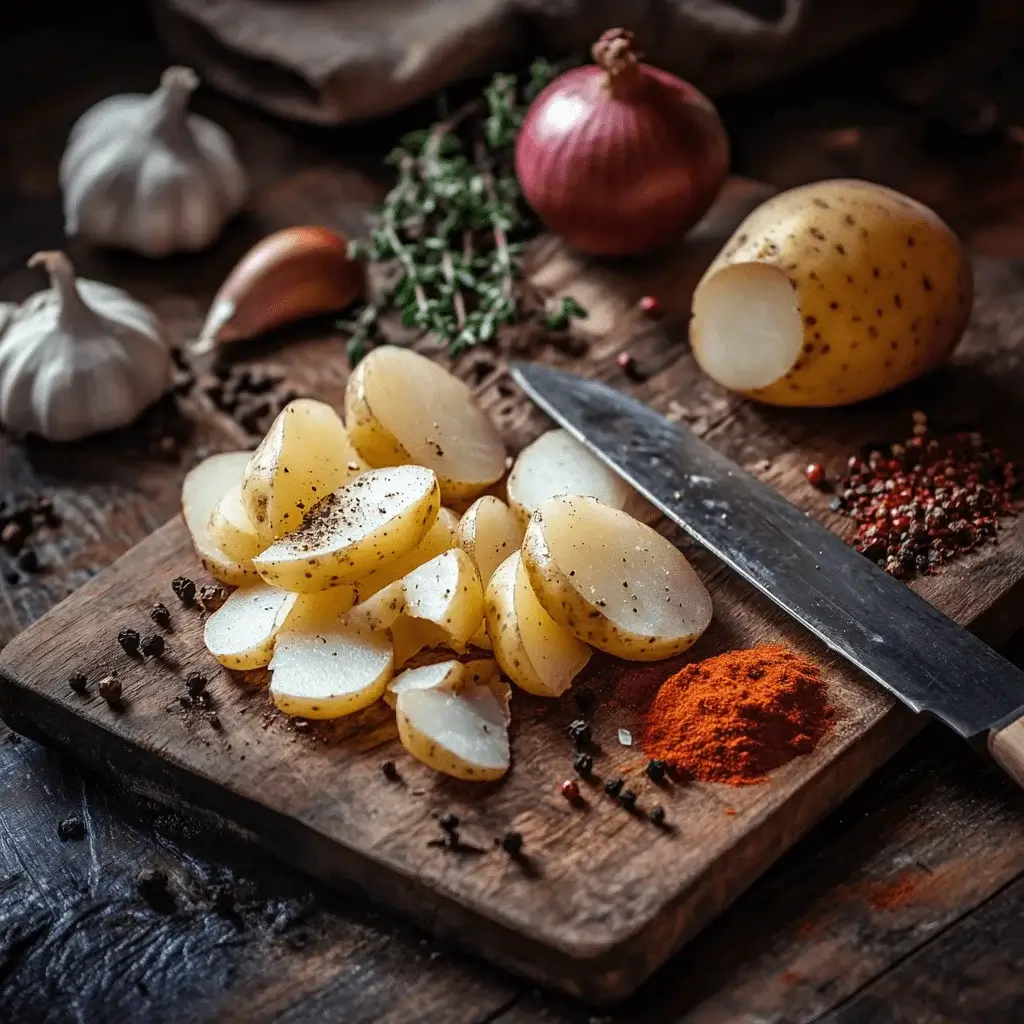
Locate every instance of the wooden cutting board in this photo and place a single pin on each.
(602, 897)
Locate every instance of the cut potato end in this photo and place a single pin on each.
(241, 633)
(612, 581)
(379, 611)
(403, 408)
(231, 530)
(439, 538)
(747, 330)
(489, 532)
(446, 591)
(305, 456)
(556, 463)
(202, 490)
(324, 668)
(461, 732)
(365, 525)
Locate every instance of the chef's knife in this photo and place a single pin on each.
(871, 619)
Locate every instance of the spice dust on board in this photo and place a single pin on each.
(737, 717)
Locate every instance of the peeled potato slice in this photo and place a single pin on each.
(403, 408)
(489, 533)
(613, 581)
(241, 633)
(324, 668)
(231, 529)
(202, 490)
(440, 537)
(537, 654)
(556, 463)
(446, 591)
(367, 524)
(461, 730)
(304, 457)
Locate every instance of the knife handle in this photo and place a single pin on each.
(1006, 745)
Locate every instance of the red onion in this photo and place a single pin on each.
(619, 157)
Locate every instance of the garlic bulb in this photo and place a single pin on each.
(140, 172)
(80, 358)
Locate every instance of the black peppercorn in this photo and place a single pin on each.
(448, 821)
(613, 787)
(628, 799)
(151, 885)
(160, 614)
(195, 683)
(153, 646)
(70, 827)
(584, 764)
(389, 770)
(184, 589)
(579, 732)
(656, 770)
(129, 639)
(657, 814)
(28, 561)
(110, 689)
(512, 843)
(78, 682)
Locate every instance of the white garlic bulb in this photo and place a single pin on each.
(140, 172)
(80, 358)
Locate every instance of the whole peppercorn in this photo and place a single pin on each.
(656, 770)
(657, 814)
(815, 474)
(160, 614)
(195, 683)
(579, 732)
(512, 843)
(570, 790)
(70, 827)
(78, 682)
(110, 689)
(153, 646)
(448, 821)
(389, 770)
(129, 640)
(584, 764)
(184, 589)
(613, 787)
(628, 799)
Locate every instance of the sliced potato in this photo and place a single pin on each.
(380, 610)
(305, 456)
(461, 731)
(403, 408)
(446, 591)
(489, 533)
(410, 636)
(365, 525)
(203, 488)
(440, 537)
(612, 581)
(241, 633)
(449, 675)
(547, 665)
(556, 463)
(324, 668)
(232, 531)
(481, 638)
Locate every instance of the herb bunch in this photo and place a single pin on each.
(452, 230)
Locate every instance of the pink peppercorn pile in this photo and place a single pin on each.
(926, 500)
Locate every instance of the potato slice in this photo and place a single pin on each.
(241, 633)
(304, 457)
(446, 591)
(460, 730)
(410, 636)
(231, 529)
(489, 533)
(403, 408)
(380, 610)
(556, 463)
(440, 537)
(613, 581)
(367, 524)
(324, 668)
(481, 638)
(203, 488)
(450, 675)
(540, 656)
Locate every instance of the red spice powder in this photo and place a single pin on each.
(739, 716)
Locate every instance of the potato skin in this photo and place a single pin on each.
(884, 286)
(374, 442)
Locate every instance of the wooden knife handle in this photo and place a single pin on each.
(1006, 746)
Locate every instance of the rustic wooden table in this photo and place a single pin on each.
(905, 905)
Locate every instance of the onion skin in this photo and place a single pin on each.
(290, 275)
(622, 158)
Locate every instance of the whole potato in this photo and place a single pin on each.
(829, 294)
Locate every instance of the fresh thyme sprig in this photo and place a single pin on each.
(454, 226)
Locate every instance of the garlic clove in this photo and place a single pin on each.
(288, 276)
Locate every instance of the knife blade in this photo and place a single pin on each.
(870, 618)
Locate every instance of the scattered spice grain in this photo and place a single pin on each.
(628, 799)
(71, 827)
(195, 683)
(579, 732)
(129, 640)
(570, 790)
(656, 770)
(153, 646)
(79, 682)
(28, 561)
(160, 614)
(613, 787)
(815, 474)
(657, 815)
(448, 821)
(583, 764)
(184, 589)
(512, 843)
(390, 771)
(212, 596)
(110, 689)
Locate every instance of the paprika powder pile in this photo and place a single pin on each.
(736, 717)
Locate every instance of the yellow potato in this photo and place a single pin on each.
(367, 524)
(489, 533)
(831, 293)
(304, 457)
(410, 636)
(203, 488)
(241, 633)
(232, 531)
(446, 591)
(380, 610)
(612, 581)
(403, 408)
